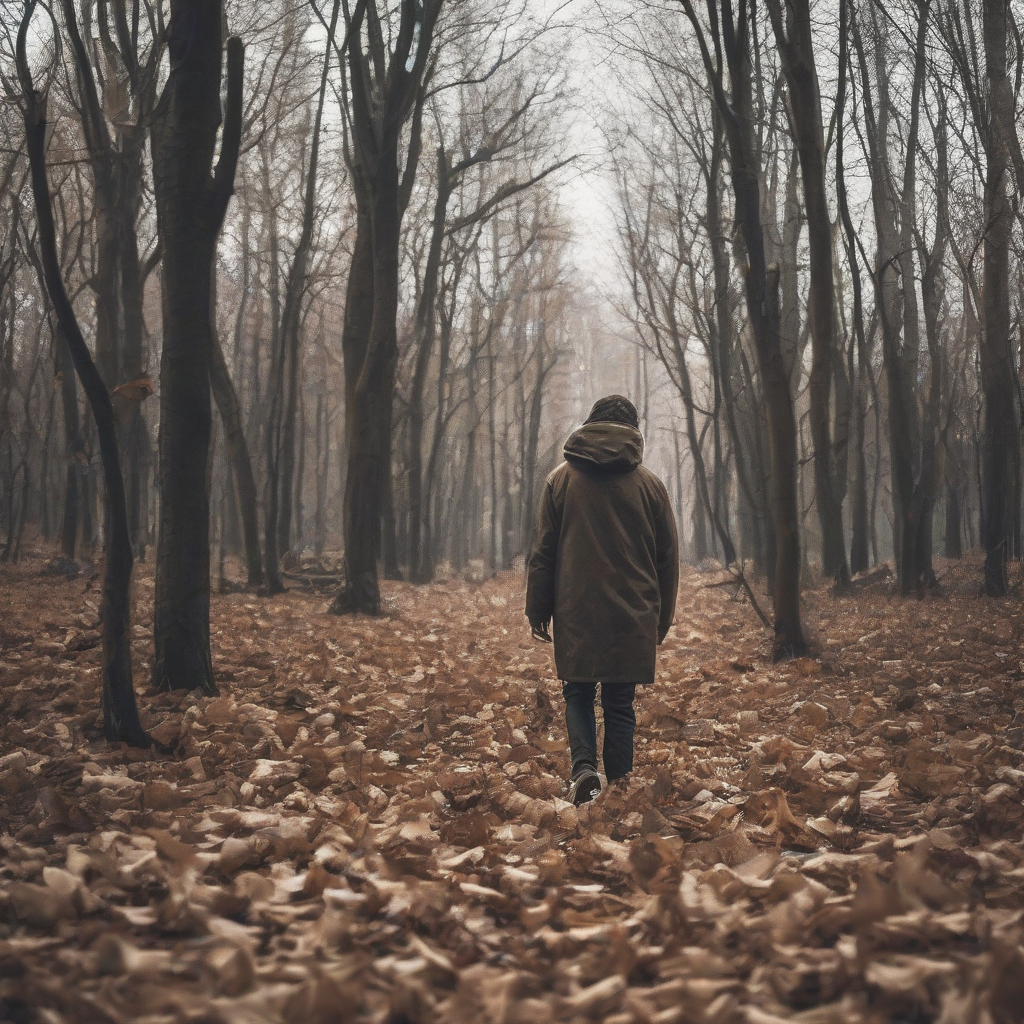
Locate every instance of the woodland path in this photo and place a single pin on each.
(366, 824)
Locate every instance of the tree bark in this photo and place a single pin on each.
(890, 261)
(384, 90)
(794, 39)
(120, 713)
(230, 410)
(72, 446)
(859, 511)
(1000, 437)
(425, 329)
(762, 290)
(191, 203)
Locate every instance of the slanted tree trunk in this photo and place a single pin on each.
(237, 447)
(190, 203)
(120, 713)
(115, 147)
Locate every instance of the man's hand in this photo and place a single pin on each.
(540, 630)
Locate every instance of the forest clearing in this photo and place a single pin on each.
(367, 823)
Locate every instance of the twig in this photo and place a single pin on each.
(736, 576)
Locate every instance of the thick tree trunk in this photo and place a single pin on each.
(190, 209)
(384, 90)
(369, 457)
(1000, 437)
(359, 416)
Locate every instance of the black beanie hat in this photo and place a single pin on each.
(614, 409)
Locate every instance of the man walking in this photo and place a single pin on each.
(605, 567)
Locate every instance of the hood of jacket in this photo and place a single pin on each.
(613, 447)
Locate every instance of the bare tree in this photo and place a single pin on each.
(794, 38)
(191, 202)
(385, 89)
(730, 43)
(120, 713)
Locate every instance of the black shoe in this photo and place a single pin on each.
(584, 787)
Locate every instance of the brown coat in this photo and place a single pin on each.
(605, 560)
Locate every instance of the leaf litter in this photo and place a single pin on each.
(368, 823)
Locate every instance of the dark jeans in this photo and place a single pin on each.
(619, 725)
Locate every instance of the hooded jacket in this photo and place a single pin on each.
(605, 563)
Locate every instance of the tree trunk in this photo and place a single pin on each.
(134, 431)
(238, 453)
(1000, 454)
(384, 89)
(762, 290)
(859, 516)
(323, 462)
(724, 331)
(425, 331)
(953, 534)
(797, 51)
(428, 559)
(120, 712)
(190, 210)
(904, 431)
(369, 458)
(291, 327)
(72, 446)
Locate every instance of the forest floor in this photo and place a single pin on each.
(367, 823)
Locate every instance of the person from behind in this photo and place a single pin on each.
(604, 570)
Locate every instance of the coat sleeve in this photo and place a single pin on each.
(667, 554)
(540, 584)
